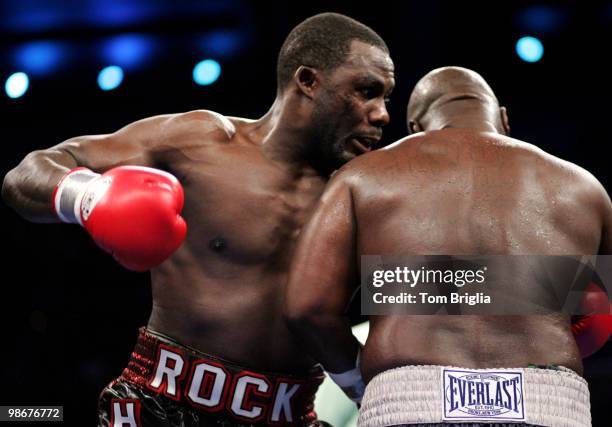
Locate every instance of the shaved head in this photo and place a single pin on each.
(442, 86)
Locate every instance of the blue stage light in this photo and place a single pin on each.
(541, 18)
(17, 84)
(110, 77)
(529, 49)
(223, 43)
(206, 72)
(33, 16)
(117, 13)
(39, 57)
(127, 50)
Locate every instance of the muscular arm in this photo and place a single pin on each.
(29, 186)
(592, 331)
(605, 246)
(321, 281)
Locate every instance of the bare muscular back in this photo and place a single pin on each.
(457, 191)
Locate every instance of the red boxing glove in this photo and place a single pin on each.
(592, 331)
(133, 212)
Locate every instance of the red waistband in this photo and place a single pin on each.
(211, 384)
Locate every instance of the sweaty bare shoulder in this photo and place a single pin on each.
(573, 178)
(204, 125)
(593, 193)
(369, 174)
(148, 142)
(581, 205)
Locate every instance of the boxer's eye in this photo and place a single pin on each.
(388, 95)
(367, 92)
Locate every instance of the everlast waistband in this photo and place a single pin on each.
(439, 394)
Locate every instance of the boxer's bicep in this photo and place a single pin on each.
(605, 244)
(323, 269)
(605, 247)
(133, 144)
(28, 187)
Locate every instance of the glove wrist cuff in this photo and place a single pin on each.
(351, 381)
(69, 192)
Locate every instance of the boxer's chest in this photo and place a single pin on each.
(243, 208)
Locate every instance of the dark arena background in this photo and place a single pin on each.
(70, 314)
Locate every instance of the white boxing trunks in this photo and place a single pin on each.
(438, 394)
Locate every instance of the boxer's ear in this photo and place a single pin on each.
(307, 79)
(503, 116)
(414, 127)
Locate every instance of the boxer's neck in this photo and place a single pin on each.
(474, 123)
(284, 133)
(480, 120)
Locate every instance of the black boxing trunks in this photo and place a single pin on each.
(168, 384)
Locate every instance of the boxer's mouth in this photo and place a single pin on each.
(363, 144)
